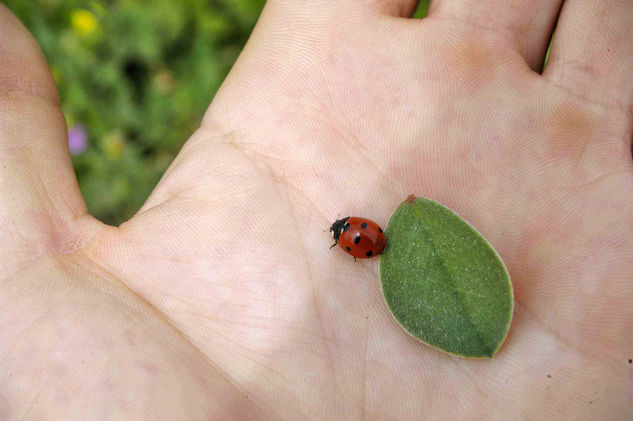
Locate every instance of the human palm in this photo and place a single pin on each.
(221, 297)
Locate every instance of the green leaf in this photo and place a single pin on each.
(443, 282)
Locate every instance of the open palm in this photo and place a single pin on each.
(221, 297)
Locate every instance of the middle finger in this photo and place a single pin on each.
(526, 24)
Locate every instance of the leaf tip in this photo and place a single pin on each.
(482, 355)
(492, 352)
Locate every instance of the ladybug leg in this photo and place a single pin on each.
(333, 244)
(354, 258)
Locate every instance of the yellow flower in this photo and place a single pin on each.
(113, 145)
(84, 23)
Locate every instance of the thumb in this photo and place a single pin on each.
(41, 209)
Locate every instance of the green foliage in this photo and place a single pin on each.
(443, 282)
(138, 74)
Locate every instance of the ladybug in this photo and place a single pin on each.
(359, 237)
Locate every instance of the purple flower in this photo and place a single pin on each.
(77, 139)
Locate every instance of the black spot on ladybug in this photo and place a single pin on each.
(379, 229)
(348, 249)
(363, 225)
(346, 227)
(369, 253)
(357, 239)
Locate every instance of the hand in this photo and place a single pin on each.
(221, 297)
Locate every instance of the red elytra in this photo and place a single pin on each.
(359, 237)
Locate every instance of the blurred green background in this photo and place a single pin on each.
(134, 78)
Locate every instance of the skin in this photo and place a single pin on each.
(221, 298)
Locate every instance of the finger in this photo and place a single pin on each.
(39, 196)
(592, 52)
(525, 24)
(398, 8)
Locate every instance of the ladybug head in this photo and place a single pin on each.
(337, 227)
